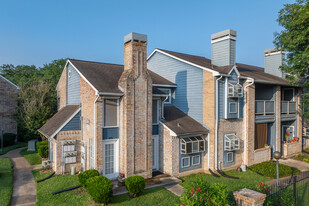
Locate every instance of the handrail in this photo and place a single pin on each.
(264, 112)
(288, 107)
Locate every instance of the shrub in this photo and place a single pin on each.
(84, 176)
(269, 169)
(135, 185)
(42, 148)
(8, 139)
(200, 192)
(263, 188)
(100, 189)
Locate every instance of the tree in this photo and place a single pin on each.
(294, 38)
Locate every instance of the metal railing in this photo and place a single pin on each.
(288, 107)
(264, 107)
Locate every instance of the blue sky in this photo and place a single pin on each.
(37, 32)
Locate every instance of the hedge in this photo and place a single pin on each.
(42, 148)
(100, 189)
(84, 176)
(8, 139)
(135, 185)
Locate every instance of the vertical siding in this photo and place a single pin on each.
(223, 52)
(272, 64)
(73, 86)
(189, 80)
(73, 124)
(221, 99)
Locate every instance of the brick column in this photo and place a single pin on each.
(246, 197)
(299, 115)
(250, 123)
(278, 118)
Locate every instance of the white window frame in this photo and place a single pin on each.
(232, 90)
(103, 108)
(284, 89)
(227, 157)
(169, 91)
(116, 158)
(182, 166)
(232, 146)
(235, 107)
(69, 73)
(199, 160)
(286, 126)
(158, 113)
(195, 140)
(230, 86)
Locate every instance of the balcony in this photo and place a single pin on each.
(288, 107)
(264, 107)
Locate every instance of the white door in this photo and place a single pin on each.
(155, 152)
(110, 158)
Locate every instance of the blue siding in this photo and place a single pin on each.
(221, 98)
(73, 124)
(233, 78)
(189, 80)
(271, 136)
(73, 86)
(225, 153)
(110, 133)
(155, 129)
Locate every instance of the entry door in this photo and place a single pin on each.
(155, 152)
(110, 158)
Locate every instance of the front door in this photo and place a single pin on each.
(155, 152)
(110, 159)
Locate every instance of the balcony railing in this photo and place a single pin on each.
(288, 107)
(264, 107)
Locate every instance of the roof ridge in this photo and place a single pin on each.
(95, 62)
(183, 53)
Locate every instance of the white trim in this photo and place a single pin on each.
(9, 82)
(55, 156)
(103, 116)
(223, 38)
(95, 131)
(187, 62)
(225, 98)
(158, 112)
(188, 157)
(230, 108)
(168, 95)
(227, 157)
(272, 53)
(163, 85)
(287, 126)
(66, 122)
(199, 160)
(236, 70)
(110, 94)
(115, 142)
(155, 166)
(217, 120)
(172, 133)
(284, 89)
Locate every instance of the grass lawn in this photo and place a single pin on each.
(302, 157)
(32, 157)
(8, 148)
(269, 169)
(156, 196)
(6, 181)
(246, 179)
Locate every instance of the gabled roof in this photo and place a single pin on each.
(104, 77)
(180, 123)
(59, 120)
(9, 82)
(257, 73)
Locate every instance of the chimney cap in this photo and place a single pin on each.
(135, 37)
(228, 32)
(272, 50)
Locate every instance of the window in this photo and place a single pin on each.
(196, 160)
(190, 145)
(185, 162)
(233, 107)
(155, 112)
(110, 113)
(231, 142)
(288, 94)
(230, 157)
(288, 132)
(234, 90)
(167, 92)
(69, 73)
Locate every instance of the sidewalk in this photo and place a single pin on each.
(302, 166)
(24, 188)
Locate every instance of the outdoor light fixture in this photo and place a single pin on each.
(277, 156)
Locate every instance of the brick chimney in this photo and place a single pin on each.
(273, 59)
(136, 109)
(223, 48)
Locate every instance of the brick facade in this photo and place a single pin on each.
(62, 89)
(8, 104)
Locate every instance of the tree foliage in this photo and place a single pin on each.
(294, 38)
(37, 100)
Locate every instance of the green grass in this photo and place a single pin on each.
(302, 157)
(302, 192)
(32, 157)
(6, 181)
(8, 148)
(269, 169)
(246, 179)
(156, 196)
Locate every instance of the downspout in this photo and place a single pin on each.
(208, 150)
(95, 131)
(217, 122)
(162, 106)
(245, 117)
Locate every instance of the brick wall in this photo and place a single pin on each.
(61, 89)
(262, 155)
(290, 149)
(8, 96)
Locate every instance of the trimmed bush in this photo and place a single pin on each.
(100, 189)
(8, 139)
(42, 148)
(135, 185)
(84, 176)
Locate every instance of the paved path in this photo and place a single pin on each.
(175, 189)
(24, 189)
(302, 166)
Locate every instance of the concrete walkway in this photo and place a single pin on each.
(24, 188)
(175, 189)
(302, 166)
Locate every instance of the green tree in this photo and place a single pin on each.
(294, 38)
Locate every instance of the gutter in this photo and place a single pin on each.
(217, 122)
(245, 118)
(95, 131)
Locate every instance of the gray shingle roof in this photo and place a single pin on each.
(104, 77)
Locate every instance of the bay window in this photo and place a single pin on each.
(190, 145)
